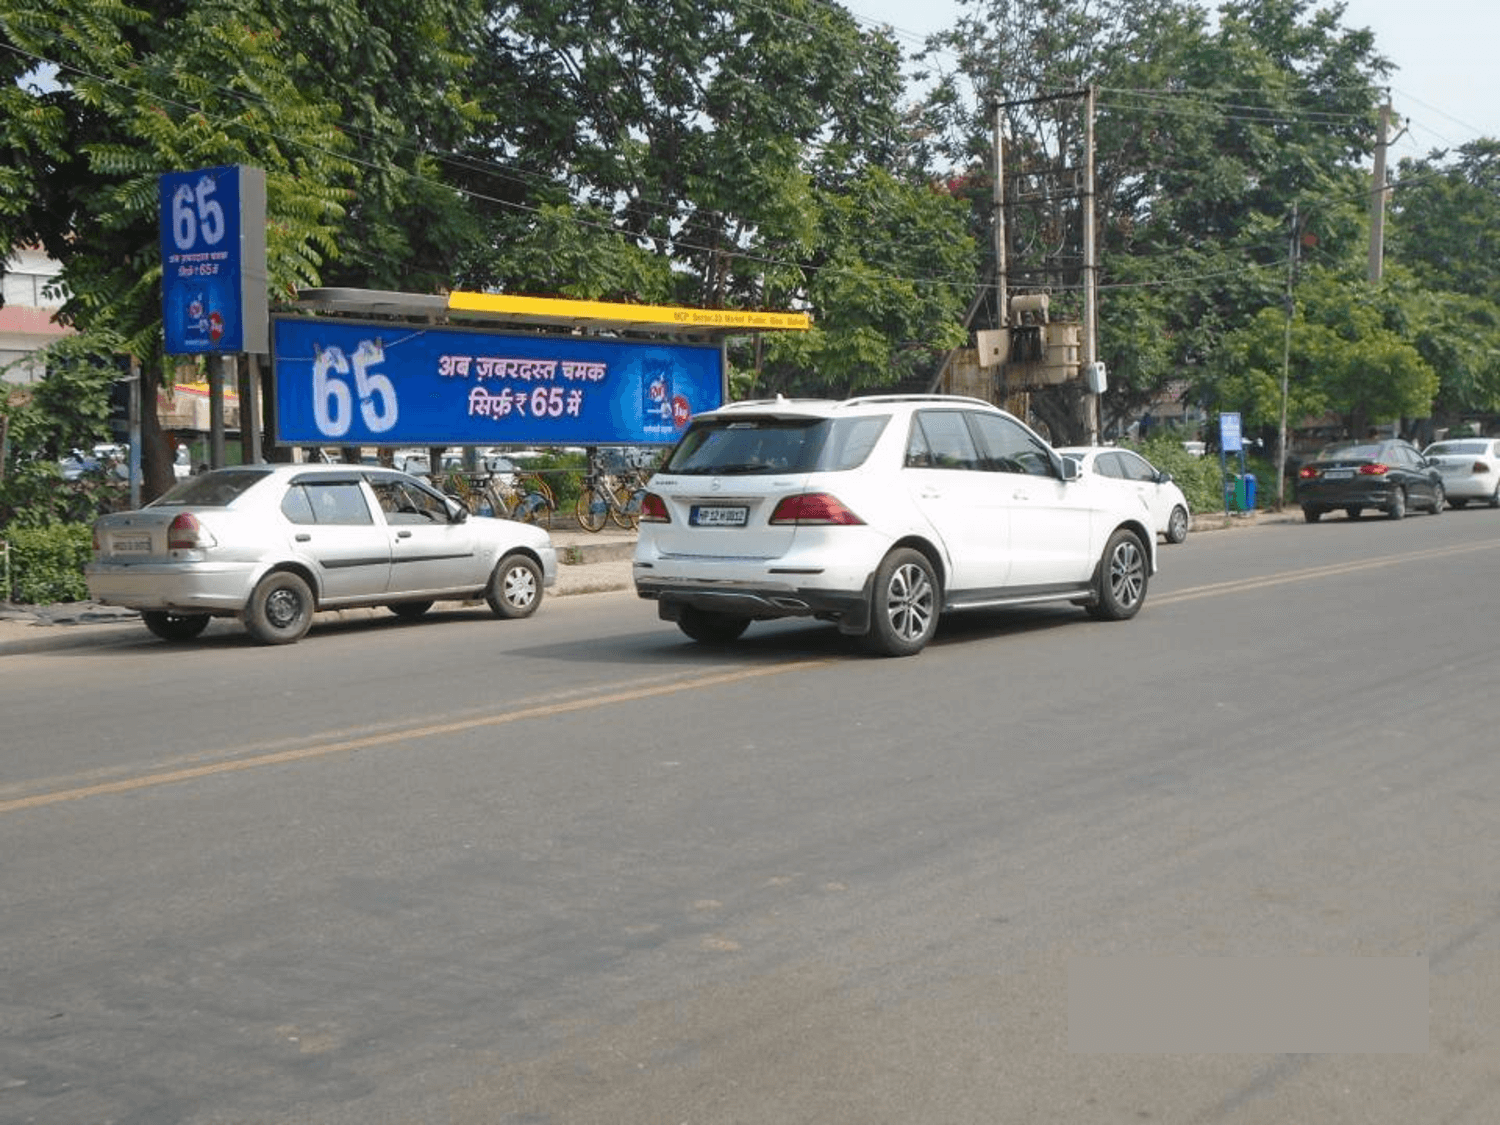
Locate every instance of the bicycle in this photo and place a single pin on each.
(609, 496)
(525, 497)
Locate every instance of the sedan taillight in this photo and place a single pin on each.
(1307, 472)
(185, 533)
(1375, 469)
(814, 508)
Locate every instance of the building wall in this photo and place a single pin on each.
(26, 322)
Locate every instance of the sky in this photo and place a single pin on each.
(1444, 90)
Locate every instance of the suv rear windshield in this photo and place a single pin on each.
(744, 446)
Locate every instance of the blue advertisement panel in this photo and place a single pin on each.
(206, 256)
(1230, 439)
(344, 383)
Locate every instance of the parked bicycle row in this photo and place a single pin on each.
(608, 489)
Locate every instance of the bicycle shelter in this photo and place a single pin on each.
(374, 368)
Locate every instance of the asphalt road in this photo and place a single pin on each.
(576, 869)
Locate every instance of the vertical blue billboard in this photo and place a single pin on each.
(338, 382)
(213, 260)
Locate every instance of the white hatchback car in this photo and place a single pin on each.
(272, 544)
(881, 514)
(1470, 468)
(1152, 488)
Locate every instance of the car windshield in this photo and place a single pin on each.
(1351, 451)
(1461, 448)
(217, 489)
(749, 446)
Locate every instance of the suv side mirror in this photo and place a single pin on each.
(1070, 469)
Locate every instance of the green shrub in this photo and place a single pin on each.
(46, 563)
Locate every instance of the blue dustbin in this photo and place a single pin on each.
(1247, 501)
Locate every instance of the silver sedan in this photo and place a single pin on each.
(273, 544)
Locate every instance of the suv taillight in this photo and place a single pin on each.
(185, 533)
(654, 509)
(814, 508)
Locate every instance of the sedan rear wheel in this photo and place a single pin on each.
(1495, 497)
(515, 588)
(1397, 510)
(1353, 511)
(1121, 586)
(280, 610)
(904, 613)
(171, 626)
(1311, 514)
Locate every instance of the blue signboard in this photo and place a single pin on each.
(213, 258)
(339, 382)
(1230, 440)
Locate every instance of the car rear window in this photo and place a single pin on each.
(216, 489)
(1463, 448)
(744, 446)
(1350, 452)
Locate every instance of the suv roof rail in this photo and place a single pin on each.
(933, 397)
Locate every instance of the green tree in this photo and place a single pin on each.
(1444, 250)
(734, 155)
(1345, 357)
(1206, 134)
(126, 94)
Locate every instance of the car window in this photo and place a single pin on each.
(1134, 467)
(1459, 448)
(216, 489)
(940, 439)
(1108, 465)
(403, 502)
(747, 446)
(1010, 447)
(1350, 451)
(327, 502)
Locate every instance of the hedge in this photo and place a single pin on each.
(46, 563)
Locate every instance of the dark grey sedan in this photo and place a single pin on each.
(1389, 475)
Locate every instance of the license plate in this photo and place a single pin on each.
(131, 544)
(719, 515)
(1338, 474)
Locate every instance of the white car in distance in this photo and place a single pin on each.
(1153, 488)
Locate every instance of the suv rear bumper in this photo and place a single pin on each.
(851, 609)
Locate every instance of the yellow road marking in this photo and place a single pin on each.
(1331, 571)
(388, 738)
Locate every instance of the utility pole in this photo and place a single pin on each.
(1378, 194)
(1090, 267)
(1286, 351)
(1002, 313)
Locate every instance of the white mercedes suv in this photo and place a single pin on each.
(878, 513)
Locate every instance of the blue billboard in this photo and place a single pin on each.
(213, 260)
(338, 382)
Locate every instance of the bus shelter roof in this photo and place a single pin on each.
(552, 313)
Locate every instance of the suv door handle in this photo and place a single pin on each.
(403, 535)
